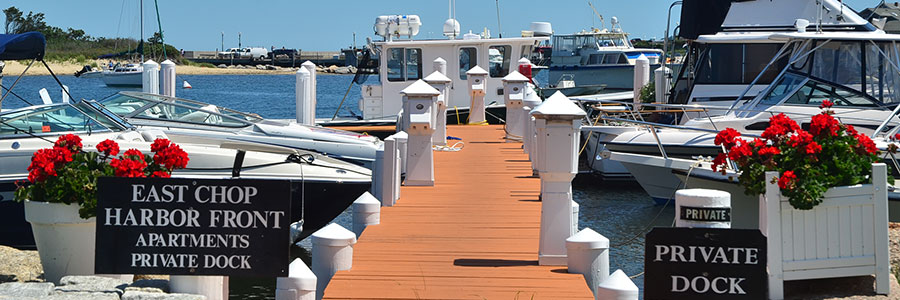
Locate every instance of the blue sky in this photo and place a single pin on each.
(329, 25)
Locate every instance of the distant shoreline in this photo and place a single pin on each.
(15, 68)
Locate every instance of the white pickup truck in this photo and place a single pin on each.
(256, 53)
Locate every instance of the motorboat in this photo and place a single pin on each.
(323, 187)
(400, 62)
(124, 75)
(190, 121)
(596, 59)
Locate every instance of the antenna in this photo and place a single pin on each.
(596, 13)
(499, 29)
(142, 31)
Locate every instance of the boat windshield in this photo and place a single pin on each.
(51, 120)
(796, 89)
(161, 108)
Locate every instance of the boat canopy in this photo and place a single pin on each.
(29, 45)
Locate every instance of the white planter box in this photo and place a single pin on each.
(845, 235)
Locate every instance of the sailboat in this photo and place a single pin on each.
(128, 75)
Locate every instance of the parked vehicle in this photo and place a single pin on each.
(244, 53)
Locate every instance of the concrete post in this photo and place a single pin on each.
(402, 147)
(514, 90)
(150, 77)
(167, 77)
(661, 77)
(311, 68)
(213, 287)
(559, 127)
(440, 65)
(421, 99)
(366, 211)
(617, 287)
(65, 94)
(332, 251)
(641, 77)
(702, 208)
(303, 97)
(299, 285)
(588, 254)
(442, 84)
(477, 79)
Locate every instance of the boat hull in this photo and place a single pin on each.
(123, 79)
(612, 76)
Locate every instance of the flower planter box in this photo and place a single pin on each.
(64, 240)
(845, 235)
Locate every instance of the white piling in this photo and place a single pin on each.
(442, 84)
(313, 96)
(332, 251)
(477, 79)
(514, 90)
(366, 211)
(575, 209)
(693, 199)
(402, 145)
(387, 172)
(150, 77)
(527, 130)
(421, 99)
(299, 285)
(440, 65)
(617, 287)
(167, 77)
(661, 80)
(588, 254)
(213, 287)
(65, 94)
(559, 130)
(303, 97)
(641, 77)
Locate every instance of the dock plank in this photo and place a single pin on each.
(474, 235)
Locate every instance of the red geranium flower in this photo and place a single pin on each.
(866, 143)
(69, 141)
(172, 157)
(161, 174)
(133, 154)
(108, 147)
(128, 167)
(786, 181)
(719, 161)
(826, 104)
(779, 125)
(896, 136)
(159, 144)
(823, 124)
(726, 137)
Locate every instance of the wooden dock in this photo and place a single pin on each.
(474, 235)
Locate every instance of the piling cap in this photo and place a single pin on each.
(523, 61)
(366, 203)
(167, 63)
(476, 71)
(308, 64)
(437, 77)
(420, 88)
(440, 60)
(515, 76)
(617, 281)
(643, 57)
(150, 62)
(303, 72)
(400, 135)
(587, 239)
(334, 235)
(299, 277)
(558, 106)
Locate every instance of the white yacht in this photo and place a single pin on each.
(599, 58)
(402, 62)
(127, 75)
(323, 187)
(196, 122)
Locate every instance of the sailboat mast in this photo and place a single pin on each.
(141, 43)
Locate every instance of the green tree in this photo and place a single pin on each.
(13, 17)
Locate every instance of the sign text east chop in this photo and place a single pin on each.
(193, 226)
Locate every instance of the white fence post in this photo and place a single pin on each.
(588, 254)
(213, 287)
(299, 285)
(366, 211)
(150, 77)
(617, 287)
(332, 251)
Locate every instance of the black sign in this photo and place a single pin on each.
(706, 214)
(705, 263)
(231, 227)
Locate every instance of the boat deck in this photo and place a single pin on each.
(474, 235)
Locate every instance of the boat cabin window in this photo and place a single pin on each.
(526, 51)
(785, 86)
(499, 60)
(863, 67)
(404, 64)
(595, 59)
(613, 58)
(51, 119)
(468, 59)
(814, 92)
(737, 63)
(206, 115)
(564, 45)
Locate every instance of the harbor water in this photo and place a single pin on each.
(622, 212)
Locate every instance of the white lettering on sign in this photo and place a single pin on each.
(140, 193)
(154, 260)
(224, 194)
(190, 240)
(152, 217)
(226, 261)
(720, 255)
(701, 284)
(244, 218)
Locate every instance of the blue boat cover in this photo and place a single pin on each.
(22, 46)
